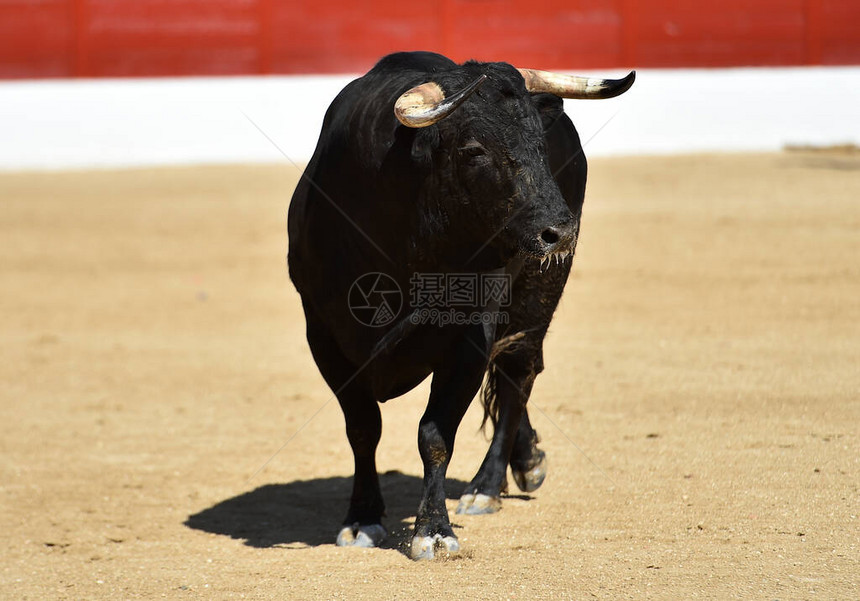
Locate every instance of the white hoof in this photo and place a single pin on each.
(477, 504)
(425, 547)
(369, 535)
(530, 480)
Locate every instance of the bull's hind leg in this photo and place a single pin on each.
(518, 359)
(528, 462)
(511, 378)
(362, 526)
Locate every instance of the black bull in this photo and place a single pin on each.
(478, 179)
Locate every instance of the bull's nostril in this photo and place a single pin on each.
(549, 236)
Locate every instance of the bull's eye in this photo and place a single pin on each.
(472, 150)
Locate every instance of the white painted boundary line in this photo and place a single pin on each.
(133, 122)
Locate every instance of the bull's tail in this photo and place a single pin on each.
(489, 392)
(489, 399)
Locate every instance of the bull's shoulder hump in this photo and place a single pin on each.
(413, 61)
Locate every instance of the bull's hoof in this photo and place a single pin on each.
(368, 535)
(478, 504)
(426, 547)
(529, 480)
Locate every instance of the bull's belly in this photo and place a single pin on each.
(409, 362)
(395, 373)
(388, 388)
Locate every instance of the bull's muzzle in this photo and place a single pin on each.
(559, 239)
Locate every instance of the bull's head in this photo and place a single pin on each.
(490, 155)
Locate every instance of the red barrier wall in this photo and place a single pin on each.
(95, 38)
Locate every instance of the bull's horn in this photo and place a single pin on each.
(573, 86)
(426, 104)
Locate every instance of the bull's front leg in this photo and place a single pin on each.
(455, 383)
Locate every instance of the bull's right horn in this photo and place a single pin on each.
(574, 86)
(426, 104)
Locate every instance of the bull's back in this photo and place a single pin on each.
(344, 173)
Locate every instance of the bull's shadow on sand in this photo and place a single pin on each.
(309, 512)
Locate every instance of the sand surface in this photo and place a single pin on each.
(165, 432)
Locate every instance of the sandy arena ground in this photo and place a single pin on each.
(165, 432)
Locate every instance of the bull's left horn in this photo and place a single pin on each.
(574, 86)
(426, 104)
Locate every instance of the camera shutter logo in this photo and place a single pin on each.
(375, 299)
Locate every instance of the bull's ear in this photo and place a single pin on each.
(426, 140)
(550, 107)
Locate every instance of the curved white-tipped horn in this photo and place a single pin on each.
(574, 86)
(426, 104)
